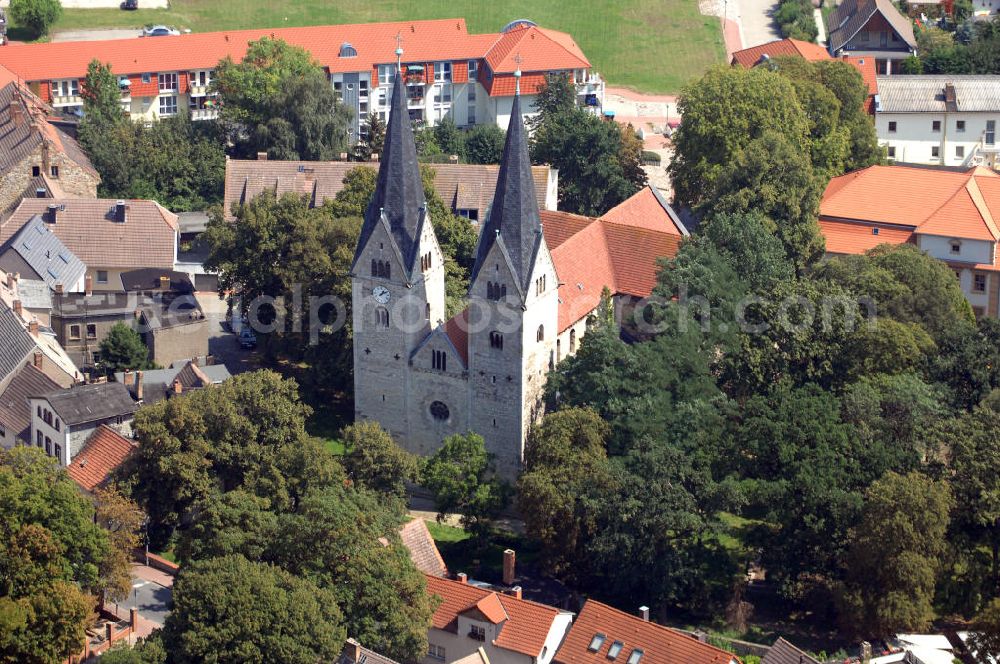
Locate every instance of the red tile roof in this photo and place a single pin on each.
(849, 237)
(457, 329)
(6, 76)
(105, 450)
(524, 630)
(491, 609)
(424, 553)
(749, 57)
(647, 209)
(932, 202)
(659, 644)
(560, 226)
(540, 50)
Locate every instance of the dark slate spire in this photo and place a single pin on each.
(513, 218)
(399, 193)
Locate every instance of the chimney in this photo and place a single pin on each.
(178, 388)
(353, 650)
(52, 214)
(453, 159)
(133, 618)
(38, 359)
(18, 308)
(138, 386)
(16, 113)
(59, 289)
(508, 567)
(343, 156)
(463, 577)
(128, 379)
(11, 280)
(374, 156)
(121, 211)
(516, 592)
(261, 156)
(866, 652)
(644, 612)
(33, 328)
(88, 285)
(165, 282)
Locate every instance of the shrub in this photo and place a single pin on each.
(35, 15)
(650, 158)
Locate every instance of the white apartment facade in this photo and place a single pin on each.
(939, 120)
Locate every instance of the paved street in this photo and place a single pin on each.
(223, 344)
(151, 593)
(758, 25)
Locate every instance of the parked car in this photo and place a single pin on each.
(247, 338)
(130, 4)
(159, 31)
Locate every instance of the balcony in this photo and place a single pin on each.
(200, 90)
(204, 114)
(592, 85)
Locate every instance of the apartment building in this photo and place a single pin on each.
(939, 120)
(448, 72)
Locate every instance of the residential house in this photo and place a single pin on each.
(155, 385)
(509, 629)
(449, 72)
(423, 551)
(539, 275)
(950, 215)
(110, 237)
(37, 159)
(104, 451)
(764, 53)
(604, 635)
(355, 653)
(35, 253)
(784, 652)
(871, 29)
(15, 414)
(63, 420)
(171, 324)
(466, 188)
(940, 120)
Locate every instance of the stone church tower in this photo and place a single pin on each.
(424, 378)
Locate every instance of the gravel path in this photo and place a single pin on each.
(94, 35)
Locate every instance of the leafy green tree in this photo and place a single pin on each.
(146, 651)
(35, 15)
(460, 475)
(122, 519)
(123, 349)
(277, 100)
(281, 617)
(449, 138)
(911, 65)
(984, 636)
(555, 97)
(102, 98)
(484, 144)
(891, 588)
(372, 138)
(359, 187)
(375, 461)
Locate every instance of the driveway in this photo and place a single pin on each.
(223, 344)
(151, 595)
(758, 22)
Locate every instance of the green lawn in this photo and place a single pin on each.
(649, 45)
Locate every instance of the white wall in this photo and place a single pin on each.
(914, 136)
(59, 437)
(970, 251)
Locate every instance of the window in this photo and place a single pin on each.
(979, 283)
(496, 340)
(442, 71)
(167, 82)
(991, 132)
(935, 152)
(473, 70)
(477, 632)
(425, 262)
(91, 331)
(956, 247)
(892, 126)
(385, 74)
(58, 425)
(55, 171)
(338, 90)
(960, 152)
(572, 341)
(635, 656)
(439, 411)
(864, 36)
(615, 649)
(39, 411)
(892, 152)
(58, 451)
(471, 116)
(68, 88)
(38, 438)
(495, 291)
(978, 312)
(439, 360)
(48, 445)
(960, 125)
(596, 642)
(381, 317)
(74, 333)
(540, 336)
(540, 285)
(102, 276)
(936, 125)
(168, 105)
(435, 652)
(146, 78)
(381, 269)
(201, 79)
(471, 215)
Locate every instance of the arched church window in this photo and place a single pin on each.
(496, 340)
(439, 411)
(439, 360)
(572, 341)
(382, 317)
(489, 290)
(375, 268)
(541, 333)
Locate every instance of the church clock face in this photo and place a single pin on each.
(381, 294)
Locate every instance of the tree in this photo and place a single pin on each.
(375, 461)
(123, 349)
(449, 138)
(911, 65)
(281, 617)
(372, 138)
(484, 144)
(122, 519)
(460, 475)
(146, 651)
(35, 15)
(102, 98)
(554, 98)
(277, 99)
(984, 635)
(891, 588)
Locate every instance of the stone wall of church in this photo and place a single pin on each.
(439, 398)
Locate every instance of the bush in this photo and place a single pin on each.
(796, 20)
(35, 15)
(484, 144)
(650, 158)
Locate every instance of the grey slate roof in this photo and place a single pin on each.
(15, 413)
(157, 382)
(851, 15)
(513, 221)
(919, 93)
(15, 341)
(399, 193)
(89, 403)
(783, 652)
(46, 254)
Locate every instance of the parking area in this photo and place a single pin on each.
(223, 345)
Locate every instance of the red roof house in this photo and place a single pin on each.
(104, 451)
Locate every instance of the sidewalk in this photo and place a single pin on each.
(140, 571)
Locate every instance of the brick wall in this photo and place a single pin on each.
(74, 180)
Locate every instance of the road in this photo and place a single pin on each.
(222, 344)
(758, 25)
(152, 600)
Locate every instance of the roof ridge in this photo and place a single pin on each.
(980, 202)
